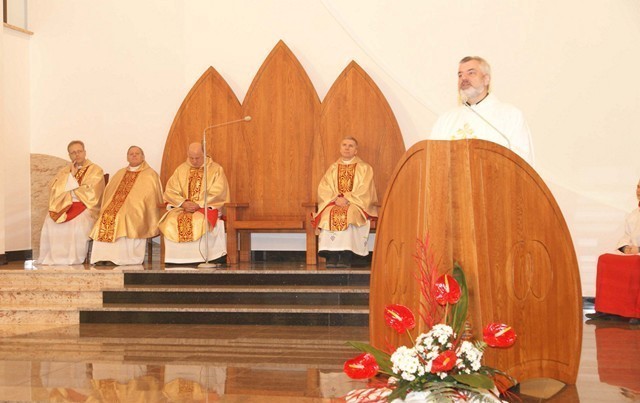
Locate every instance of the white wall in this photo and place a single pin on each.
(114, 73)
(16, 128)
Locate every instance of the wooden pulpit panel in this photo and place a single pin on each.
(355, 106)
(284, 108)
(211, 101)
(487, 209)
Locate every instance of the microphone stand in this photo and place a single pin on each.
(489, 123)
(206, 264)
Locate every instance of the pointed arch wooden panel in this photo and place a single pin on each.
(279, 140)
(485, 208)
(210, 101)
(355, 106)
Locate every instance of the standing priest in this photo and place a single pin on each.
(183, 225)
(481, 115)
(74, 202)
(131, 208)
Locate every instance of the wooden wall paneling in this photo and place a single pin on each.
(284, 107)
(355, 106)
(209, 102)
(484, 207)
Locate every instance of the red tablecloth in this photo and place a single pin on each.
(618, 285)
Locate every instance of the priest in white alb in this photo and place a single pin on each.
(346, 203)
(131, 208)
(183, 225)
(630, 243)
(481, 115)
(74, 202)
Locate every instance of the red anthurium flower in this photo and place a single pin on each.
(399, 317)
(446, 290)
(499, 335)
(363, 366)
(444, 362)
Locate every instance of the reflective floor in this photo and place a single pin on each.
(203, 363)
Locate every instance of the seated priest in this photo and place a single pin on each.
(131, 208)
(346, 202)
(630, 242)
(183, 225)
(74, 202)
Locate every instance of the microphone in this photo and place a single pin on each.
(465, 103)
(244, 119)
(206, 263)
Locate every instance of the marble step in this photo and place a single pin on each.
(254, 277)
(39, 298)
(240, 295)
(229, 314)
(60, 280)
(44, 314)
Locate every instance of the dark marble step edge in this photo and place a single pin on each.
(230, 318)
(282, 299)
(356, 309)
(253, 278)
(355, 289)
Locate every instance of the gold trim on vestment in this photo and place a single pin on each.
(185, 227)
(108, 219)
(346, 173)
(195, 181)
(338, 218)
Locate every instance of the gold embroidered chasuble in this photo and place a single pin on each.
(355, 182)
(91, 180)
(132, 206)
(186, 183)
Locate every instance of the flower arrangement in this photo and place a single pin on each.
(443, 364)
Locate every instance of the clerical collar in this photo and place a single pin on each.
(348, 162)
(133, 169)
(483, 98)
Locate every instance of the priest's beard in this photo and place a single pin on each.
(471, 92)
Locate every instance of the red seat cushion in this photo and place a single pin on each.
(618, 285)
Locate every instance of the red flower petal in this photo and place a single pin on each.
(399, 317)
(363, 366)
(499, 335)
(446, 290)
(444, 362)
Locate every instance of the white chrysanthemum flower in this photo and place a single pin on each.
(470, 357)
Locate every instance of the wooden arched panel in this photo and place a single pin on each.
(211, 101)
(284, 108)
(485, 208)
(355, 106)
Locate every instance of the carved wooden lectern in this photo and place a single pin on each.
(484, 207)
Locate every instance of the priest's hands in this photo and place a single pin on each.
(190, 207)
(342, 202)
(631, 250)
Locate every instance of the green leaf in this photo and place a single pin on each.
(475, 380)
(460, 308)
(383, 359)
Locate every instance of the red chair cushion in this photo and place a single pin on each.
(618, 285)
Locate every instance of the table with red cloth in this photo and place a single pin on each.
(618, 285)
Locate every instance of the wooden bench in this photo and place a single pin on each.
(275, 161)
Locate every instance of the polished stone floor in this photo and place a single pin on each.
(202, 363)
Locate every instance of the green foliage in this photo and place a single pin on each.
(475, 380)
(459, 315)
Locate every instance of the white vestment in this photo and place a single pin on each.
(354, 238)
(193, 252)
(462, 123)
(66, 243)
(631, 230)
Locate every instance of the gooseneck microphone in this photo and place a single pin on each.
(206, 263)
(465, 103)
